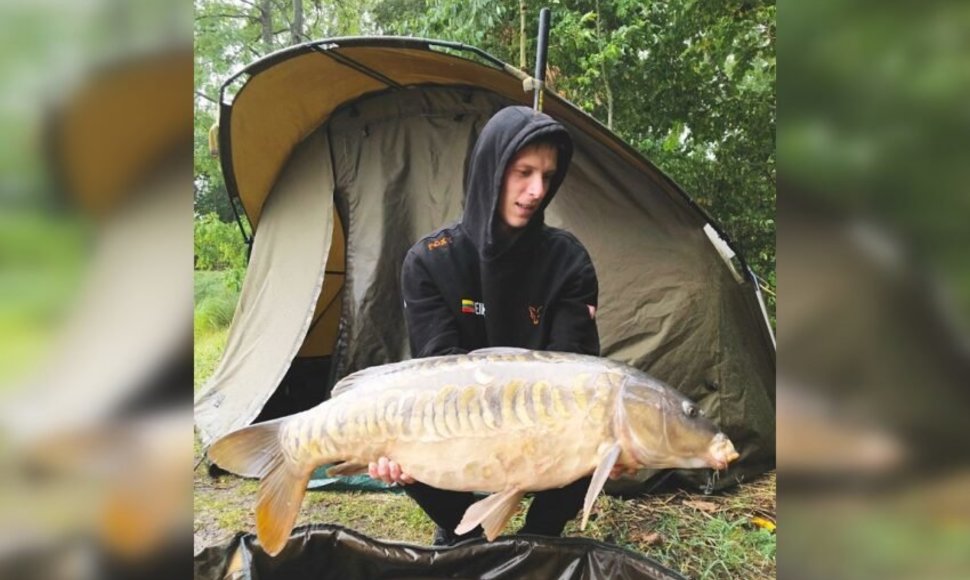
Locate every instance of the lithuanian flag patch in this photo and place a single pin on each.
(467, 306)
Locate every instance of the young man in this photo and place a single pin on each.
(501, 277)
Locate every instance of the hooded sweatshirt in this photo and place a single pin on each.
(479, 283)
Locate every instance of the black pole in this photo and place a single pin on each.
(542, 43)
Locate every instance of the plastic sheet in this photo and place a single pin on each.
(325, 552)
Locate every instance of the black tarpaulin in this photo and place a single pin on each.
(324, 552)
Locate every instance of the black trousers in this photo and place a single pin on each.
(550, 510)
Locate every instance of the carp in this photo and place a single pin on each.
(501, 420)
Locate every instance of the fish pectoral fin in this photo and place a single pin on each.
(492, 513)
(347, 468)
(599, 480)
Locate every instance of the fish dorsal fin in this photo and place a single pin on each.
(348, 383)
(370, 374)
(492, 513)
(501, 350)
(599, 480)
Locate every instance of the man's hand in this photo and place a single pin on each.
(389, 472)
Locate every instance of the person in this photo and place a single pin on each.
(501, 277)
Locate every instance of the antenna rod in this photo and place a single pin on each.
(542, 43)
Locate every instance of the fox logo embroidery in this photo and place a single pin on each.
(440, 242)
(535, 312)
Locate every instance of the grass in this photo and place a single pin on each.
(700, 536)
(208, 351)
(215, 303)
(717, 540)
(703, 537)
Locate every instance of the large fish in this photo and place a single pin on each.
(502, 420)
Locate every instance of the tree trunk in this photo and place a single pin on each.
(296, 32)
(266, 24)
(522, 63)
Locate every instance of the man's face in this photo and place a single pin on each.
(526, 183)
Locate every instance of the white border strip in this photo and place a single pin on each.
(724, 250)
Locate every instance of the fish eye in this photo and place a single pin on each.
(690, 409)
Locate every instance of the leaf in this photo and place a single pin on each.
(652, 538)
(763, 523)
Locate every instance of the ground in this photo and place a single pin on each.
(726, 535)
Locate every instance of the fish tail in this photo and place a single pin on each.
(280, 495)
(256, 451)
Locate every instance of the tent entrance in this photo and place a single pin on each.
(290, 304)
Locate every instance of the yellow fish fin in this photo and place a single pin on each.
(347, 468)
(599, 480)
(493, 513)
(255, 451)
(250, 451)
(280, 495)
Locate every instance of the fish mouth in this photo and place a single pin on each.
(721, 452)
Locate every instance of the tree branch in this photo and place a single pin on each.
(225, 15)
(253, 51)
(764, 286)
(206, 97)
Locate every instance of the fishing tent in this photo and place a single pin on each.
(342, 153)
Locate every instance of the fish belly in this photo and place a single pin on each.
(526, 433)
(528, 460)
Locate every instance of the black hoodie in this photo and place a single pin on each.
(477, 283)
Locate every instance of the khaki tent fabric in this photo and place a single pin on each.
(279, 295)
(319, 341)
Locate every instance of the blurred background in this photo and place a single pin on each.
(96, 225)
(95, 289)
(873, 270)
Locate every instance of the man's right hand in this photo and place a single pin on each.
(389, 472)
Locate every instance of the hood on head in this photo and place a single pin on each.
(507, 132)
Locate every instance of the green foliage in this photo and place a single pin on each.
(219, 245)
(215, 298)
(214, 313)
(215, 304)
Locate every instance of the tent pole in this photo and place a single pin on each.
(246, 238)
(542, 44)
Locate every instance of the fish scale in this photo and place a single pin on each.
(502, 420)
